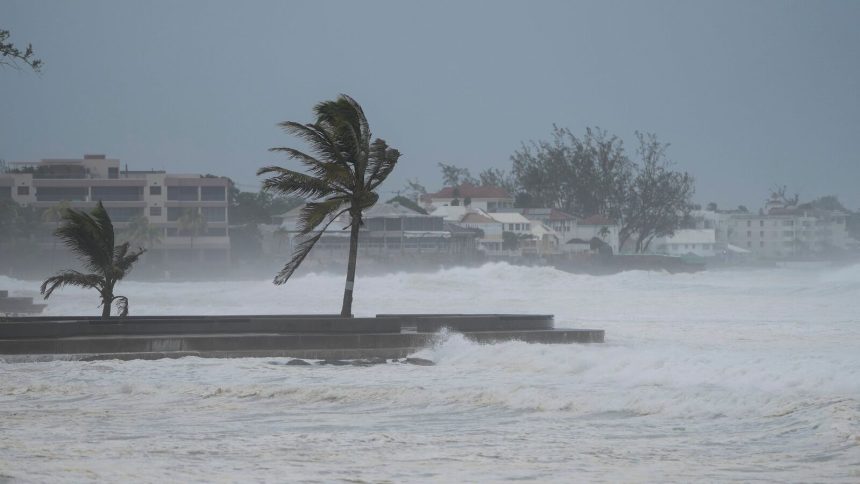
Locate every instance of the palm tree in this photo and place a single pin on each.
(345, 171)
(141, 232)
(192, 223)
(91, 237)
(54, 214)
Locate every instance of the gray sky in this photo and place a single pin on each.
(749, 94)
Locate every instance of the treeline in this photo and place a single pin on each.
(593, 174)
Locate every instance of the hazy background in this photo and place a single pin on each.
(750, 94)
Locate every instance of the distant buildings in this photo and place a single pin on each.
(159, 196)
(486, 198)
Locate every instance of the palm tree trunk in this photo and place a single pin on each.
(106, 303)
(350, 269)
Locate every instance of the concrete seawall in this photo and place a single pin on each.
(301, 336)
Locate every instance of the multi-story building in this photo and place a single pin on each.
(161, 197)
(789, 232)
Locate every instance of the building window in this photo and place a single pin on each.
(182, 194)
(213, 194)
(123, 214)
(155, 211)
(216, 232)
(23, 190)
(761, 223)
(749, 223)
(113, 172)
(117, 194)
(214, 214)
(58, 194)
(155, 190)
(761, 244)
(173, 213)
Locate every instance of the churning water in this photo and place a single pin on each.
(743, 375)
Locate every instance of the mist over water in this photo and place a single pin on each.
(721, 375)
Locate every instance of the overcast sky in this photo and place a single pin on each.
(749, 94)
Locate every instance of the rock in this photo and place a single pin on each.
(334, 362)
(419, 362)
(297, 362)
(369, 361)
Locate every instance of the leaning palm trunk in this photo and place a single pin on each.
(346, 310)
(343, 177)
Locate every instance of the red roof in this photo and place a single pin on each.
(597, 219)
(472, 191)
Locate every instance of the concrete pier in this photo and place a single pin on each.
(300, 336)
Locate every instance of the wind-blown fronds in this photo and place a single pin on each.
(123, 259)
(121, 305)
(344, 168)
(301, 252)
(70, 278)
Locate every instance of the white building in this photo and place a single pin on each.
(159, 196)
(698, 242)
(597, 226)
(486, 198)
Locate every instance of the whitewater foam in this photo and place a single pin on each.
(748, 375)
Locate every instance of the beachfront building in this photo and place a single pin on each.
(687, 242)
(482, 197)
(163, 198)
(600, 227)
(562, 223)
(790, 233)
(389, 230)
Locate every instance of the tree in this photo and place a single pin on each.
(584, 176)
(55, 214)
(711, 207)
(192, 223)
(408, 203)
(11, 55)
(453, 176)
(91, 237)
(345, 170)
(141, 232)
(659, 199)
(414, 190)
(494, 177)
(778, 194)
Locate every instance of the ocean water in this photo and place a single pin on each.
(716, 376)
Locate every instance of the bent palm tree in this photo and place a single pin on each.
(345, 171)
(91, 237)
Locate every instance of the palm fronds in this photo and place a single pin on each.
(91, 237)
(344, 169)
(70, 278)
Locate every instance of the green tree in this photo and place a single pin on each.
(11, 55)
(54, 214)
(659, 199)
(192, 223)
(581, 175)
(91, 237)
(453, 176)
(346, 169)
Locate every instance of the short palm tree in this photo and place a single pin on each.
(91, 237)
(346, 169)
(193, 223)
